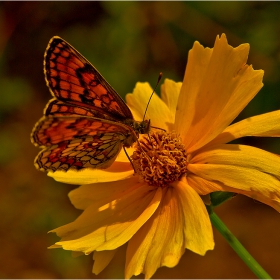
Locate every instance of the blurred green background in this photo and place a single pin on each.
(127, 42)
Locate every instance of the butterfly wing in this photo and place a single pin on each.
(53, 130)
(77, 142)
(71, 78)
(58, 108)
(87, 122)
(80, 153)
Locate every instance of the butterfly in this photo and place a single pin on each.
(87, 123)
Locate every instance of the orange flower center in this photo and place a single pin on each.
(160, 158)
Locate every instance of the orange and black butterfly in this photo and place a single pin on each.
(86, 123)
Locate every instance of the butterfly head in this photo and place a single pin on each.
(142, 127)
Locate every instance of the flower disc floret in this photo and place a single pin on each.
(160, 158)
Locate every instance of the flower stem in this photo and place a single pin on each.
(238, 248)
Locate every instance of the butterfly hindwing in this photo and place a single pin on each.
(90, 151)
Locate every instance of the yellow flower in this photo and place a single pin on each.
(158, 212)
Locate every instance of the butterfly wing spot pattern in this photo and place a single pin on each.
(81, 153)
(86, 123)
(71, 77)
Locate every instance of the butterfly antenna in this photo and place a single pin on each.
(159, 78)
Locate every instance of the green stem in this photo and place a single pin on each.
(238, 248)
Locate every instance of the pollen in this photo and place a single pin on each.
(160, 158)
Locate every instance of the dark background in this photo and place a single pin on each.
(127, 42)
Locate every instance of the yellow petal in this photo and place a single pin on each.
(157, 112)
(217, 86)
(202, 186)
(240, 155)
(117, 171)
(242, 169)
(122, 157)
(262, 125)
(101, 260)
(160, 241)
(169, 94)
(197, 226)
(112, 225)
(98, 194)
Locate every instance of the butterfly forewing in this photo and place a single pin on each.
(86, 123)
(53, 130)
(60, 108)
(72, 79)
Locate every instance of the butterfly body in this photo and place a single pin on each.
(86, 123)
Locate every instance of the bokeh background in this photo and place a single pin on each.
(127, 42)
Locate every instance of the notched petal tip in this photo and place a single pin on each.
(220, 77)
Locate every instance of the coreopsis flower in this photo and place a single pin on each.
(155, 206)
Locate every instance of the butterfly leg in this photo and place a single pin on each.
(162, 129)
(129, 159)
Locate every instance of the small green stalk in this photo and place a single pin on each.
(237, 247)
